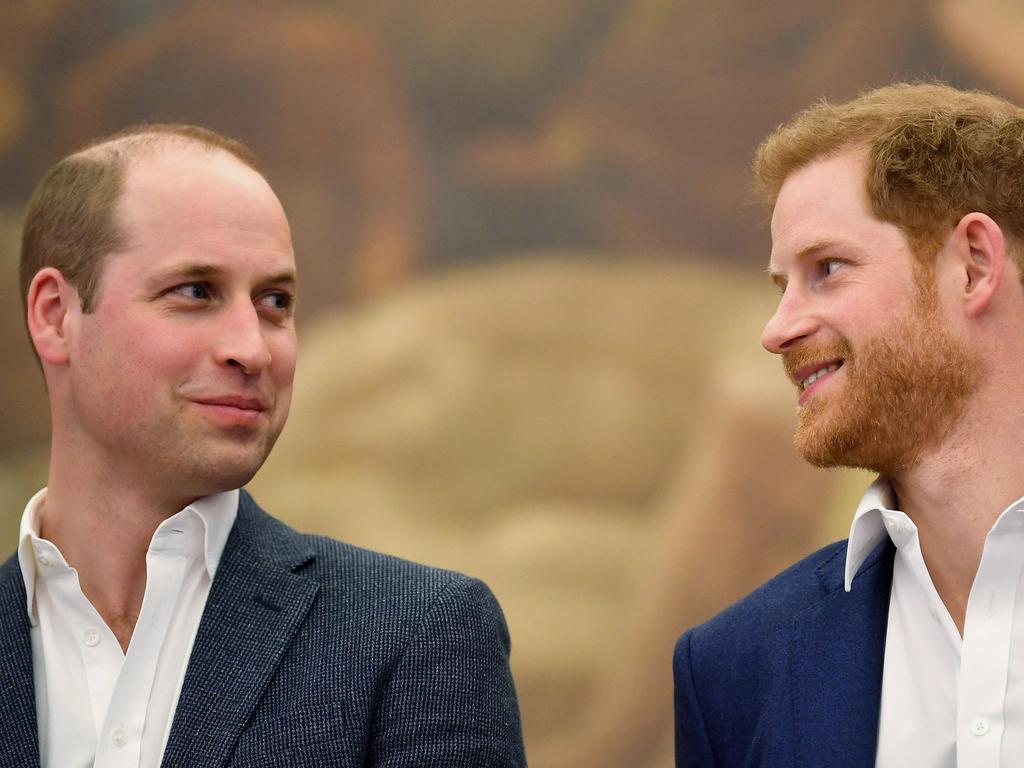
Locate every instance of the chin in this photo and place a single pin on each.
(860, 450)
(823, 443)
(225, 470)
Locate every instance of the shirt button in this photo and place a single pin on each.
(91, 637)
(936, 614)
(979, 726)
(119, 736)
(43, 560)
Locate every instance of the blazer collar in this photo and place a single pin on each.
(256, 604)
(19, 736)
(837, 651)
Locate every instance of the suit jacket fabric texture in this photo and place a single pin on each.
(312, 652)
(792, 674)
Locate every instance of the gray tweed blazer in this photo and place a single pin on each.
(311, 652)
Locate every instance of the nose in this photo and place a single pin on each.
(791, 322)
(243, 343)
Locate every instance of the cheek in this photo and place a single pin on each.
(859, 322)
(153, 370)
(165, 359)
(282, 373)
(283, 356)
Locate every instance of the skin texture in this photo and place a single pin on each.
(178, 383)
(852, 297)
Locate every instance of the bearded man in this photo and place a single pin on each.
(897, 232)
(154, 614)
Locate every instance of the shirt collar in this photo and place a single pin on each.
(868, 527)
(26, 557)
(877, 517)
(217, 514)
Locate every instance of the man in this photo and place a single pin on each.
(897, 247)
(153, 613)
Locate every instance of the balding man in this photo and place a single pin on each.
(153, 613)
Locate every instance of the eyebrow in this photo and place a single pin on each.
(201, 270)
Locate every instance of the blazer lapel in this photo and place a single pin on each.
(255, 606)
(838, 648)
(19, 735)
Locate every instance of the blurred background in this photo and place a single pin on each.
(531, 287)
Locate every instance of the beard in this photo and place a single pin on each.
(904, 391)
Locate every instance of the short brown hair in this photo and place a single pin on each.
(69, 223)
(934, 154)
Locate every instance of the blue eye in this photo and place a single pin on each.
(193, 290)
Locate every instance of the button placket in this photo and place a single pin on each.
(986, 649)
(119, 736)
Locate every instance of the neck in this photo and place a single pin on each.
(955, 494)
(103, 524)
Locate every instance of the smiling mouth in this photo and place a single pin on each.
(807, 381)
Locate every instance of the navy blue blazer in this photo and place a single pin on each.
(311, 652)
(792, 674)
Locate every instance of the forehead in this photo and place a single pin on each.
(825, 204)
(193, 199)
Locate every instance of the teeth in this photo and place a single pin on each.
(818, 374)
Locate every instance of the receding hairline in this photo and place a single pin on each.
(140, 143)
(70, 222)
(136, 146)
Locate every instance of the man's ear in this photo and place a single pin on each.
(50, 296)
(979, 255)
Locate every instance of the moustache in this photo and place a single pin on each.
(805, 354)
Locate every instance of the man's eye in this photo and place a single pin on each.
(192, 290)
(831, 265)
(278, 301)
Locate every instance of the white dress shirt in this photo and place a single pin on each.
(96, 705)
(948, 702)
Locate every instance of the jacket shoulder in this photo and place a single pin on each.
(371, 589)
(727, 670)
(739, 676)
(416, 656)
(757, 627)
(776, 601)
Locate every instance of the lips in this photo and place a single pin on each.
(809, 378)
(810, 365)
(808, 374)
(233, 401)
(234, 412)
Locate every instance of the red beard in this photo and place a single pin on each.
(896, 397)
